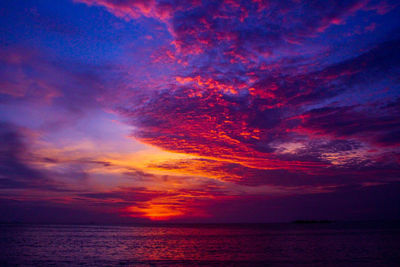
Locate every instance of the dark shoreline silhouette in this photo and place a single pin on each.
(312, 221)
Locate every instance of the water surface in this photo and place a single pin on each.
(366, 244)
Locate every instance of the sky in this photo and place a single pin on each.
(124, 111)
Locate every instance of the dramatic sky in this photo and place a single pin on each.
(197, 110)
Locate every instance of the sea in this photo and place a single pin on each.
(286, 244)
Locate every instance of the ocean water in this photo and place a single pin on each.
(334, 244)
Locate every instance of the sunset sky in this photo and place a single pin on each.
(119, 111)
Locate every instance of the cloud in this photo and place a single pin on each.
(260, 102)
(38, 76)
(133, 9)
(15, 170)
(200, 116)
(240, 30)
(287, 121)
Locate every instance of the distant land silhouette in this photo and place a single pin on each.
(312, 221)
